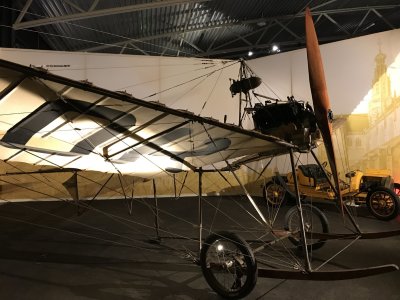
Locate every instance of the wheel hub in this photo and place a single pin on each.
(382, 203)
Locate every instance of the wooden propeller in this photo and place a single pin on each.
(319, 92)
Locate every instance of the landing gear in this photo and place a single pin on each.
(228, 265)
(314, 221)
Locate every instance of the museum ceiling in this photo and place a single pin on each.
(228, 29)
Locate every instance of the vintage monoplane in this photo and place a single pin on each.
(55, 124)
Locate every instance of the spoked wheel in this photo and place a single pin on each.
(383, 203)
(274, 194)
(314, 221)
(396, 189)
(228, 265)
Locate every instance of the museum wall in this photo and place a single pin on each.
(363, 78)
(349, 68)
(198, 85)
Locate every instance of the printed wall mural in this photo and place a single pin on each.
(371, 140)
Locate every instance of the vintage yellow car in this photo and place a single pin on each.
(373, 188)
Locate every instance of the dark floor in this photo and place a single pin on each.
(48, 251)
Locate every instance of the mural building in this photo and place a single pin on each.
(372, 140)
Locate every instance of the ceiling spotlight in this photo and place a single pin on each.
(275, 48)
(250, 53)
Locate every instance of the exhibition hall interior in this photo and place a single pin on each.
(200, 149)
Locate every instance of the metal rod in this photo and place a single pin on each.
(300, 210)
(102, 187)
(240, 109)
(200, 208)
(174, 178)
(250, 198)
(84, 209)
(263, 170)
(80, 211)
(129, 205)
(326, 175)
(155, 210)
(122, 185)
(266, 97)
(240, 94)
(62, 170)
(128, 202)
(102, 12)
(351, 218)
(183, 185)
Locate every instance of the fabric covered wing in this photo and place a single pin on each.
(50, 120)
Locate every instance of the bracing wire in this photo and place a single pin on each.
(211, 92)
(123, 220)
(192, 79)
(210, 136)
(128, 40)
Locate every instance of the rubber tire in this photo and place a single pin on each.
(321, 217)
(396, 188)
(251, 263)
(396, 202)
(269, 203)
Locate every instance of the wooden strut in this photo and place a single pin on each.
(362, 235)
(327, 275)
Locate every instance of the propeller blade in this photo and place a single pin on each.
(320, 96)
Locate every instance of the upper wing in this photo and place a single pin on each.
(51, 120)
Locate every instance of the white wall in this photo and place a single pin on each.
(349, 69)
(207, 81)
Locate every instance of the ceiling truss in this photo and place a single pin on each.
(229, 37)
